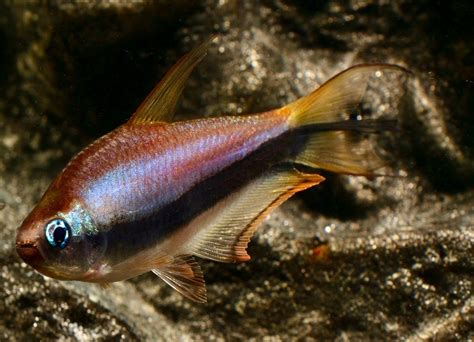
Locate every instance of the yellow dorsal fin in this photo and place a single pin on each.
(160, 104)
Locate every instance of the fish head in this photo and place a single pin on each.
(59, 238)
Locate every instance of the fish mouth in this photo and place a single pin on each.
(29, 253)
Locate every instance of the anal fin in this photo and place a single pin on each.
(228, 227)
(184, 275)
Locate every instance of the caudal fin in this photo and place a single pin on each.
(321, 118)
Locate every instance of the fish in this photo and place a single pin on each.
(154, 194)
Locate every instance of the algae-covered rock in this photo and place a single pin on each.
(388, 258)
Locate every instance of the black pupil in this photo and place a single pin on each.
(59, 234)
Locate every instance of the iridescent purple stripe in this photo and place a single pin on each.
(145, 184)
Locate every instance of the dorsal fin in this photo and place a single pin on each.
(160, 104)
(184, 275)
(230, 224)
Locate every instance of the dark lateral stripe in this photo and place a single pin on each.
(127, 239)
(361, 126)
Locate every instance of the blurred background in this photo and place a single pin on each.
(389, 258)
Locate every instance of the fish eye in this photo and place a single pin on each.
(57, 233)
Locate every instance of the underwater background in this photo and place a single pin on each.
(389, 258)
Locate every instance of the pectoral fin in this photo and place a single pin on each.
(226, 229)
(184, 275)
(181, 272)
(105, 286)
(161, 103)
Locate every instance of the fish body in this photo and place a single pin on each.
(152, 194)
(132, 192)
(156, 163)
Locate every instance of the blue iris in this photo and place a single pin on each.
(57, 233)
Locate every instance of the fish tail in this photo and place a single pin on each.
(321, 119)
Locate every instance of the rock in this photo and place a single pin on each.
(352, 259)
